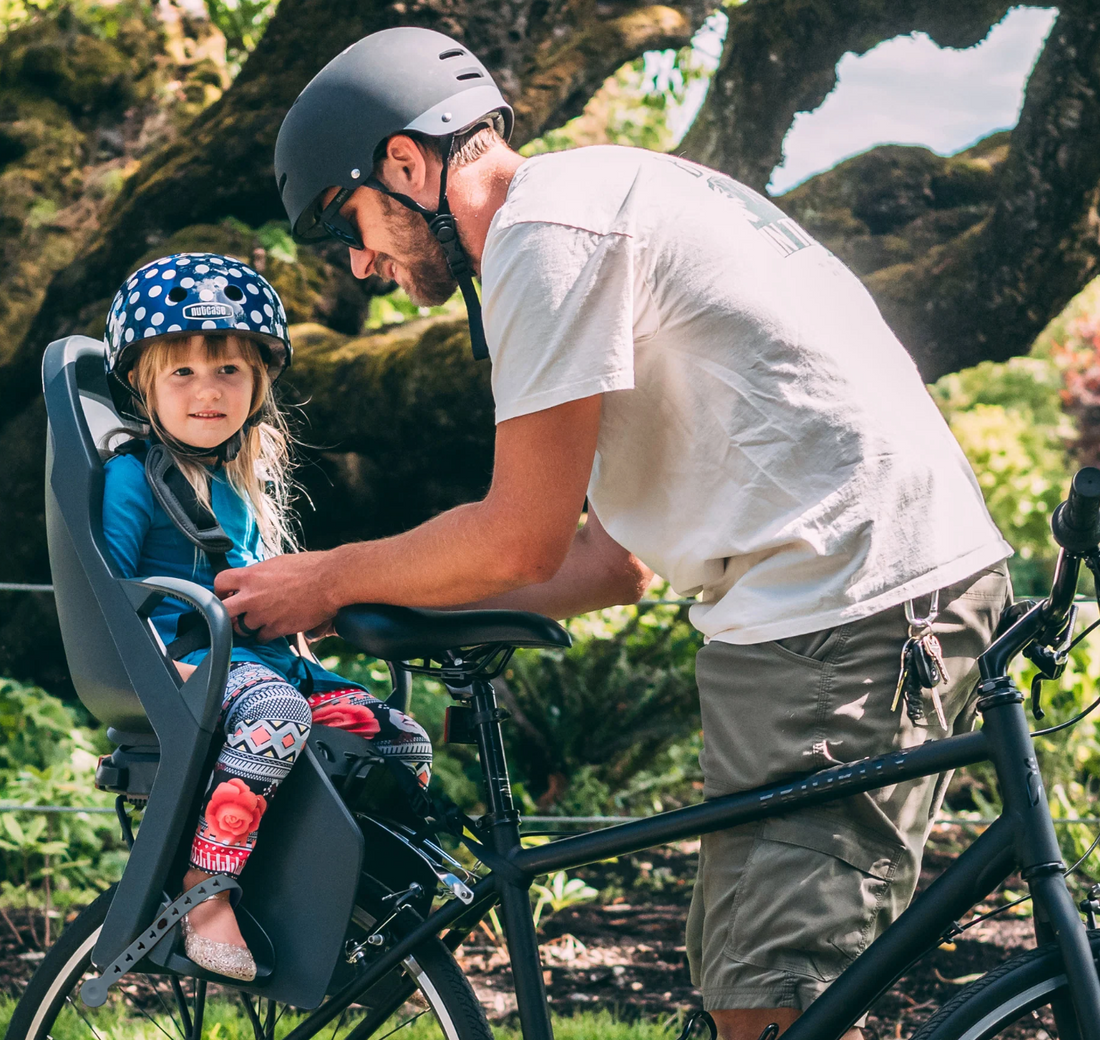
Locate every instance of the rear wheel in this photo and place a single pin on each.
(428, 993)
(1012, 1002)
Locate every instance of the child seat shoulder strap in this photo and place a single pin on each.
(195, 521)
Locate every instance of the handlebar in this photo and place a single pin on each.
(1076, 522)
(1076, 528)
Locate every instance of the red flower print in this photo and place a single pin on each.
(355, 718)
(233, 812)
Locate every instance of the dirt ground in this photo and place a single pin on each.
(625, 952)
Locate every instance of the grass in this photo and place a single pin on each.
(222, 1024)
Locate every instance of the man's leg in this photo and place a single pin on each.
(782, 906)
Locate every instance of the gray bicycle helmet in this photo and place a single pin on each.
(403, 79)
(394, 81)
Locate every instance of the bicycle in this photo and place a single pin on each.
(376, 908)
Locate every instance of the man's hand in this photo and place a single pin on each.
(277, 597)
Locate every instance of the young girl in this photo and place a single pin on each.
(195, 342)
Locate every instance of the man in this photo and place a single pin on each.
(667, 343)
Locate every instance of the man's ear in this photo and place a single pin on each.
(407, 168)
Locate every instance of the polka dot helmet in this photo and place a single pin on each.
(195, 292)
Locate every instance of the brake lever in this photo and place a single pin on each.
(1050, 660)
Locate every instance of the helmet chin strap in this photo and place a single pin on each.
(442, 225)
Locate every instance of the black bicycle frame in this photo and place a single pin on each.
(1022, 838)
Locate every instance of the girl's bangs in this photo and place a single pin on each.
(173, 350)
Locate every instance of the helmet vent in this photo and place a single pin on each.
(282, 183)
(454, 52)
(233, 292)
(176, 294)
(470, 74)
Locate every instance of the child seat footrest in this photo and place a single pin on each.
(94, 992)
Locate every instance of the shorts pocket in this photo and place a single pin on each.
(810, 894)
(813, 648)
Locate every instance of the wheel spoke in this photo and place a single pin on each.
(164, 1004)
(80, 1014)
(407, 1022)
(339, 1023)
(145, 1014)
(253, 1017)
(181, 1003)
(51, 1008)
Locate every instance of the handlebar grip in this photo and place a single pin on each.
(1076, 522)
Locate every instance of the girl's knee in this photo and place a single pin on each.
(265, 713)
(414, 733)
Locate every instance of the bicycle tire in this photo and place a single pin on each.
(1009, 995)
(51, 998)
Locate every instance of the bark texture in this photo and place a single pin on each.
(195, 173)
(1027, 233)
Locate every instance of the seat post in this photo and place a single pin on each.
(487, 717)
(503, 838)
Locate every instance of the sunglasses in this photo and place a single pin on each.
(337, 226)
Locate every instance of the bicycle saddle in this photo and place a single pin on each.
(405, 633)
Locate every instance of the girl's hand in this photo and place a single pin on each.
(186, 670)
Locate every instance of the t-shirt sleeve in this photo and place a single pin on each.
(558, 309)
(127, 511)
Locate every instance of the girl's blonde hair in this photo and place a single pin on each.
(260, 472)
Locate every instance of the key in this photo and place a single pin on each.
(930, 647)
(938, 705)
(903, 671)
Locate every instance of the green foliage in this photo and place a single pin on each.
(559, 892)
(594, 725)
(46, 758)
(609, 726)
(396, 308)
(103, 18)
(648, 103)
(242, 23)
(226, 1022)
(1009, 423)
(1070, 760)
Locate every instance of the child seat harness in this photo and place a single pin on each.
(194, 520)
(198, 524)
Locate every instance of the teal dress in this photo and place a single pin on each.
(145, 543)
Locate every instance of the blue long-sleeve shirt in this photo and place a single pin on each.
(145, 543)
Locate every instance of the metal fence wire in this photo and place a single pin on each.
(563, 822)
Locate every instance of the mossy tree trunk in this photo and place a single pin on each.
(549, 59)
(986, 292)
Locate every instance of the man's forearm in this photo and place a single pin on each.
(451, 559)
(596, 573)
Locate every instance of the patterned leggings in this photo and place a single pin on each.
(266, 722)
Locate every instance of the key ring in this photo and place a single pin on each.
(921, 624)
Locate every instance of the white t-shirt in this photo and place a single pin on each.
(764, 438)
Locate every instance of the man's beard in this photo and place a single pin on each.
(429, 281)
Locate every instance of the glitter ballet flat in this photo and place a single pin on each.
(234, 962)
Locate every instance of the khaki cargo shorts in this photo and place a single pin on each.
(781, 907)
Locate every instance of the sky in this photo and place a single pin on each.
(909, 91)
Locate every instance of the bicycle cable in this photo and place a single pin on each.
(1087, 711)
(959, 929)
(1088, 852)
